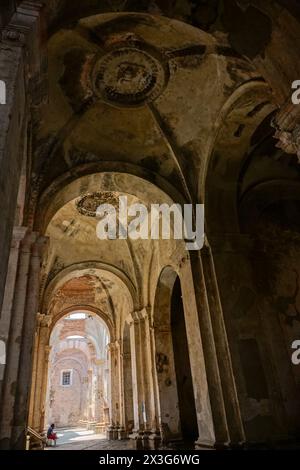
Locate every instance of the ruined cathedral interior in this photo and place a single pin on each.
(142, 343)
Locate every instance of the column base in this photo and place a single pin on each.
(112, 433)
(205, 445)
(145, 439)
(91, 425)
(137, 439)
(5, 444)
(121, 433)
(154, 440)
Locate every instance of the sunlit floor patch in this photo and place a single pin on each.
(76, 435)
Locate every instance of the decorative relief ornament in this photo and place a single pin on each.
(129, 74)
(13, 35)
(287, 129)
(88, 204)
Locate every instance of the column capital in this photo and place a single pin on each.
(138, 315)
(18, 234)
(44, 320)
(287, 128)
(27, 241)
(32, 242)
(39, 246)
(13, 35)
(113, 346)
(22, 23)
(98, 362)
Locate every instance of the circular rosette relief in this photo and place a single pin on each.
(88, 204)
(129, 74)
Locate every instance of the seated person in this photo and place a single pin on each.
(51, 435)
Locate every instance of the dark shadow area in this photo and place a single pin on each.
(188, 417)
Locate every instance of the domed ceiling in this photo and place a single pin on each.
(144, 95)
(136, 88)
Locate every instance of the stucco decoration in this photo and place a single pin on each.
(88, 204)
(129, 74)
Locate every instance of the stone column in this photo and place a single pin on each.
(121, 429)
(118, 409)
(122, 400)
(44, 389)
(29, 325)
(98, 366)
(143, 406)
(94, 393)
(209, 400)
(112, 432)
(6, 313)
(40, 372)
(137, 380)
(231, 403)
(14, 342)
(155, 437)
(19, 59)
(151, 431)
(34, 376)
(127, 398)
(90, 397)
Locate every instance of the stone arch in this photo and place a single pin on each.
(173, 367)
(89, 336)
(63, 197)
(73, 359)
(89, 267)
(164, 357)
(69, 352)
(87, 309)
(239, 118)
(255, 201)
(68, 187)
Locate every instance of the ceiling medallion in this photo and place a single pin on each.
(87, 205)
(129, 74)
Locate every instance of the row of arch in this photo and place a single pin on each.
(174, 416)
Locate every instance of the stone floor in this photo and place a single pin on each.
(81, 439)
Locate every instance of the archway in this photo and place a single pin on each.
(186, 402)
(78, 373)
(178, 418)
(112, 276)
